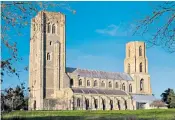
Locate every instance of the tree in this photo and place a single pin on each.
(13, 98)
(163, 34)
(169, 97)
(15, 16)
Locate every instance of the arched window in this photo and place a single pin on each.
(128, 68)
(80, 82)
(104, 104)
(129, 52)
(96, 103)
(116, 85)
(118, 104)
(34, 104)
(48, 27)
(71, 82)
(111, 104)
(140, 51)
(50, 42)
(130, 88)
(53, 28)
(103, 84)
(141, 84)
(87, 103)
(95, 83)
(88, 83)
(126, 107)
(140, 67)
(78, 102)
(48, 56)
(110, 84)
(123, 86)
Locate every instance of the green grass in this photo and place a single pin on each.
(158, 114)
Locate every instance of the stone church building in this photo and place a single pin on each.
(53, 86)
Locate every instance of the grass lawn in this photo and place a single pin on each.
(158, 114)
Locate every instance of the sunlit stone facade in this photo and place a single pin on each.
(53, 86)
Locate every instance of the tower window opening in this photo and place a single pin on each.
(140, 67)
(141, 84)
(140, 51)
(53, 28)
(48, 56)
(50, 43)
(128, 68)
(48, 27)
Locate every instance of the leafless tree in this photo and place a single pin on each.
(15, 16)
(164, 34)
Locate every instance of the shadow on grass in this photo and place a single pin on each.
(80, 118)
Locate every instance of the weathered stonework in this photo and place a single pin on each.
(55, 87)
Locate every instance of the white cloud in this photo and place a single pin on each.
(117, 30)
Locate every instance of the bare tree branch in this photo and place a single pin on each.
(16, 16)
(165, 34)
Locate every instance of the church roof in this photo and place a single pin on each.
(98, 91)
(143, 98)
(99, 74)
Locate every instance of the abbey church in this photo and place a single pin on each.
(53, 86)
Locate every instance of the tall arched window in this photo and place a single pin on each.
(80, 82)
(116, 85)
(95, 83)
(48, 28)
(103, 84)
(34, 104)
(110, 84)
(50, 43)
(53, 28)
(140, 67)
(128, 68)
(78, 102)
(71, 82)
(130, 88)
(140, 51)
(129, 52)
(111, 104)
(126, 107)
(141, 84)
(123, 86)
(88, 83)
(118, 104)
(96, 103)
(87, 103)
(48, 56)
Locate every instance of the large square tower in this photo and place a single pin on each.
(47, 57)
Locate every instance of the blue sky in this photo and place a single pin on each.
(95, 38)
